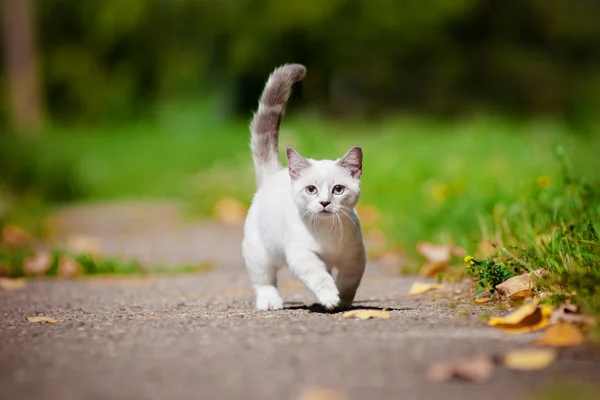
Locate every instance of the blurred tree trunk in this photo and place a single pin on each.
(21, 65)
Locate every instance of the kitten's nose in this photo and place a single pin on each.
(325, 203)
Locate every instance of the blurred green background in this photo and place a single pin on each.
(458, 104)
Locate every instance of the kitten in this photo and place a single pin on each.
(302, 216)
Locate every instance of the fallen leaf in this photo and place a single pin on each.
(520, 286)
(83, 244)
(483, 299)
(420, 287)
(439, 253)
(367, 314)
(560, 335)
(486, 248)
(474, 369)
(435, 253)
(14, 236)
(367, 214)
(569, 313)
(528, 318)
(68, 267)
(41, 318)
(230, 211)
(432, 269)
(529, 359)
(11, 284)
(37, 264)
(321, 394)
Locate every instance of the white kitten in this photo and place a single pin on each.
(302, 216)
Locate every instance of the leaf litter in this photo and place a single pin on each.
(529, 317)
(41, 318)
(367, 314)
(421, 287)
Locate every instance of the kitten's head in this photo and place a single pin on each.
(324, 188)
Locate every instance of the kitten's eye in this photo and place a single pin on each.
(312, 190)
(338, 189)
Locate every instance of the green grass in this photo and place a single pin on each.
(439, 181)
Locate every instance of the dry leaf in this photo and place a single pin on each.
(420, 287)
(520, 286)
(528, 318)
(37, 264)
(68, 267)
(435, 253)
(83, 244)
(439, 253)
(483, 299)
(529, 359)
(432, 269)
(486, 248)
(367, 214)
(321, 394)
(367, 314)
(568, 313)
(475, 369)
(11, 284)
(559, 335)
(14, 236)
(41, 318)
(230, 211)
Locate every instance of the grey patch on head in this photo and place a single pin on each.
(296, 163)
(267, 120)
(352, 161)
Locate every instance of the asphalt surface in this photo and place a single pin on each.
(198, 337)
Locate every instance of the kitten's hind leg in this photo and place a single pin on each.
(263, 275)
(348, 278)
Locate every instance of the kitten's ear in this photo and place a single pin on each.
(352, 161)
(296, 163)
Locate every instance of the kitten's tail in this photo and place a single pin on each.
(265, 124)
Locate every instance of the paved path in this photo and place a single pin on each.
(198, 337)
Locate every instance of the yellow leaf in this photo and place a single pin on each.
(41, 318)
(432, 269)
(483, 299)
(321, 394)
(476, 369)
(230, 211)
(528, 318)
(529, 359)
(563, 334)
(420, 287)
(11, 284)
(367, 314)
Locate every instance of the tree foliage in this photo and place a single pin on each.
(111, 59)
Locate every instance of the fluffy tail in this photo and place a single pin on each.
(265, 124)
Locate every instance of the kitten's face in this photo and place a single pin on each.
(325, 188)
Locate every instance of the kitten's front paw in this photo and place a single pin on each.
(269, 302)
(330, 300)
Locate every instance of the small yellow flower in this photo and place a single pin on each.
(543, 182)
(469, 259)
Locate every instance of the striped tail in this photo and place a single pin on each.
(264, 128)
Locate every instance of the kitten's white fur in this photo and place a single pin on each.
(288, 225)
